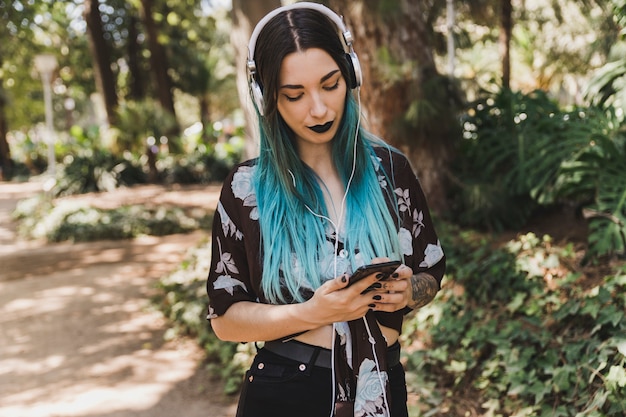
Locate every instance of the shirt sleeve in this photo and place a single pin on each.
(229, 278)
(419, 243)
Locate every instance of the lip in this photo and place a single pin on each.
(321, 128)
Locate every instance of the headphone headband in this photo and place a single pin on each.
(354, 72)
(346, 35)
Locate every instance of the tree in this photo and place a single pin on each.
(245, 15)
(198, 46)
(9, 32)
(506, 28)
(159, 64)
(136, 82)
(405, 99)
(100, 50)
(6, 162)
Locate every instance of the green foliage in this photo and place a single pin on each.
(96, 170)
(139, 120)
(204, 162)
(193, 169)
(90, 167)
(602, 167)
(524, 333)
(182, 297)
(521, 152)
(41, 218)
(510, 157)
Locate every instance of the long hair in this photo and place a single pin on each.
(293, 216)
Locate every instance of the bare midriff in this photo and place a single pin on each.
(323, 336)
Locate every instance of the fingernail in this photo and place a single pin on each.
(379, 275)
(371, 305)
(344, 279)
(377, 297)
(376, 285)
(395, 275)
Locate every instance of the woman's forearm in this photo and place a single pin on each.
(249, 322)
(424, 287)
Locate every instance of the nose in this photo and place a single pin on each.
(318, 107)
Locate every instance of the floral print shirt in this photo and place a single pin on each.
(236, 271)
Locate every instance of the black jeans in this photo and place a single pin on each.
(275, 386)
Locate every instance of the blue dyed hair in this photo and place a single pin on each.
(290, 201)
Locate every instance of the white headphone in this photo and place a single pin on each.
(354, 66)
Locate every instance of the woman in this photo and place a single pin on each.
(323, 198)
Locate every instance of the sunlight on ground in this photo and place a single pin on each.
(102, 384)
(78, 336)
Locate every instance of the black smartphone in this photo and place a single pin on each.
(385, 268)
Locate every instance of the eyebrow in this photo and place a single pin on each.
(299, 86)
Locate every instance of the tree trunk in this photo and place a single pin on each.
(506, 28)
(159, 66)
(404, 98)
(205, 117)
(105, 81)
(137, 91)
(158, 59)
(6, 163)
(245, 15)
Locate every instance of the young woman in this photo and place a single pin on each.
(323, 198)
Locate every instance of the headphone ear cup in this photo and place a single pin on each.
(354, 70)
(257, 96)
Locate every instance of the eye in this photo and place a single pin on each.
(332, 87)
(289, 98)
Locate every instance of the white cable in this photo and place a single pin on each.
(332, 371)
(345, 195)
(378, 371)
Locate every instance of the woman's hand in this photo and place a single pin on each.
(334, 301)
(404, 289)
(394, 293)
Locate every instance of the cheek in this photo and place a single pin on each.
(341, 100)
(291, 112)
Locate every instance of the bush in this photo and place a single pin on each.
(515, 332)
(42, 218)
(521, 152)
(94, 171)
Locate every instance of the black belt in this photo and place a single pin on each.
(305, 353)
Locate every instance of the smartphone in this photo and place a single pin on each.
(385, 268)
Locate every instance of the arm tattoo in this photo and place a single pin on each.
(424, 288)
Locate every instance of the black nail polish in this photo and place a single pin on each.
(376, 285)
(395, 275)
(377, 297)
(371, 305)
(344, 279)
(379, 275)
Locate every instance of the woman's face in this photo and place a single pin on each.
(311, 96)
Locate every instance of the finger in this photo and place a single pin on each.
(402, 272)
(367, 282)
(334, 284)
(389, 302)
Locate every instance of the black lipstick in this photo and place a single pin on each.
(321, 128)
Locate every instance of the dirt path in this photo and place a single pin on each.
(77, 334)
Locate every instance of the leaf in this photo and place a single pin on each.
(516, 303)
(616, 377)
